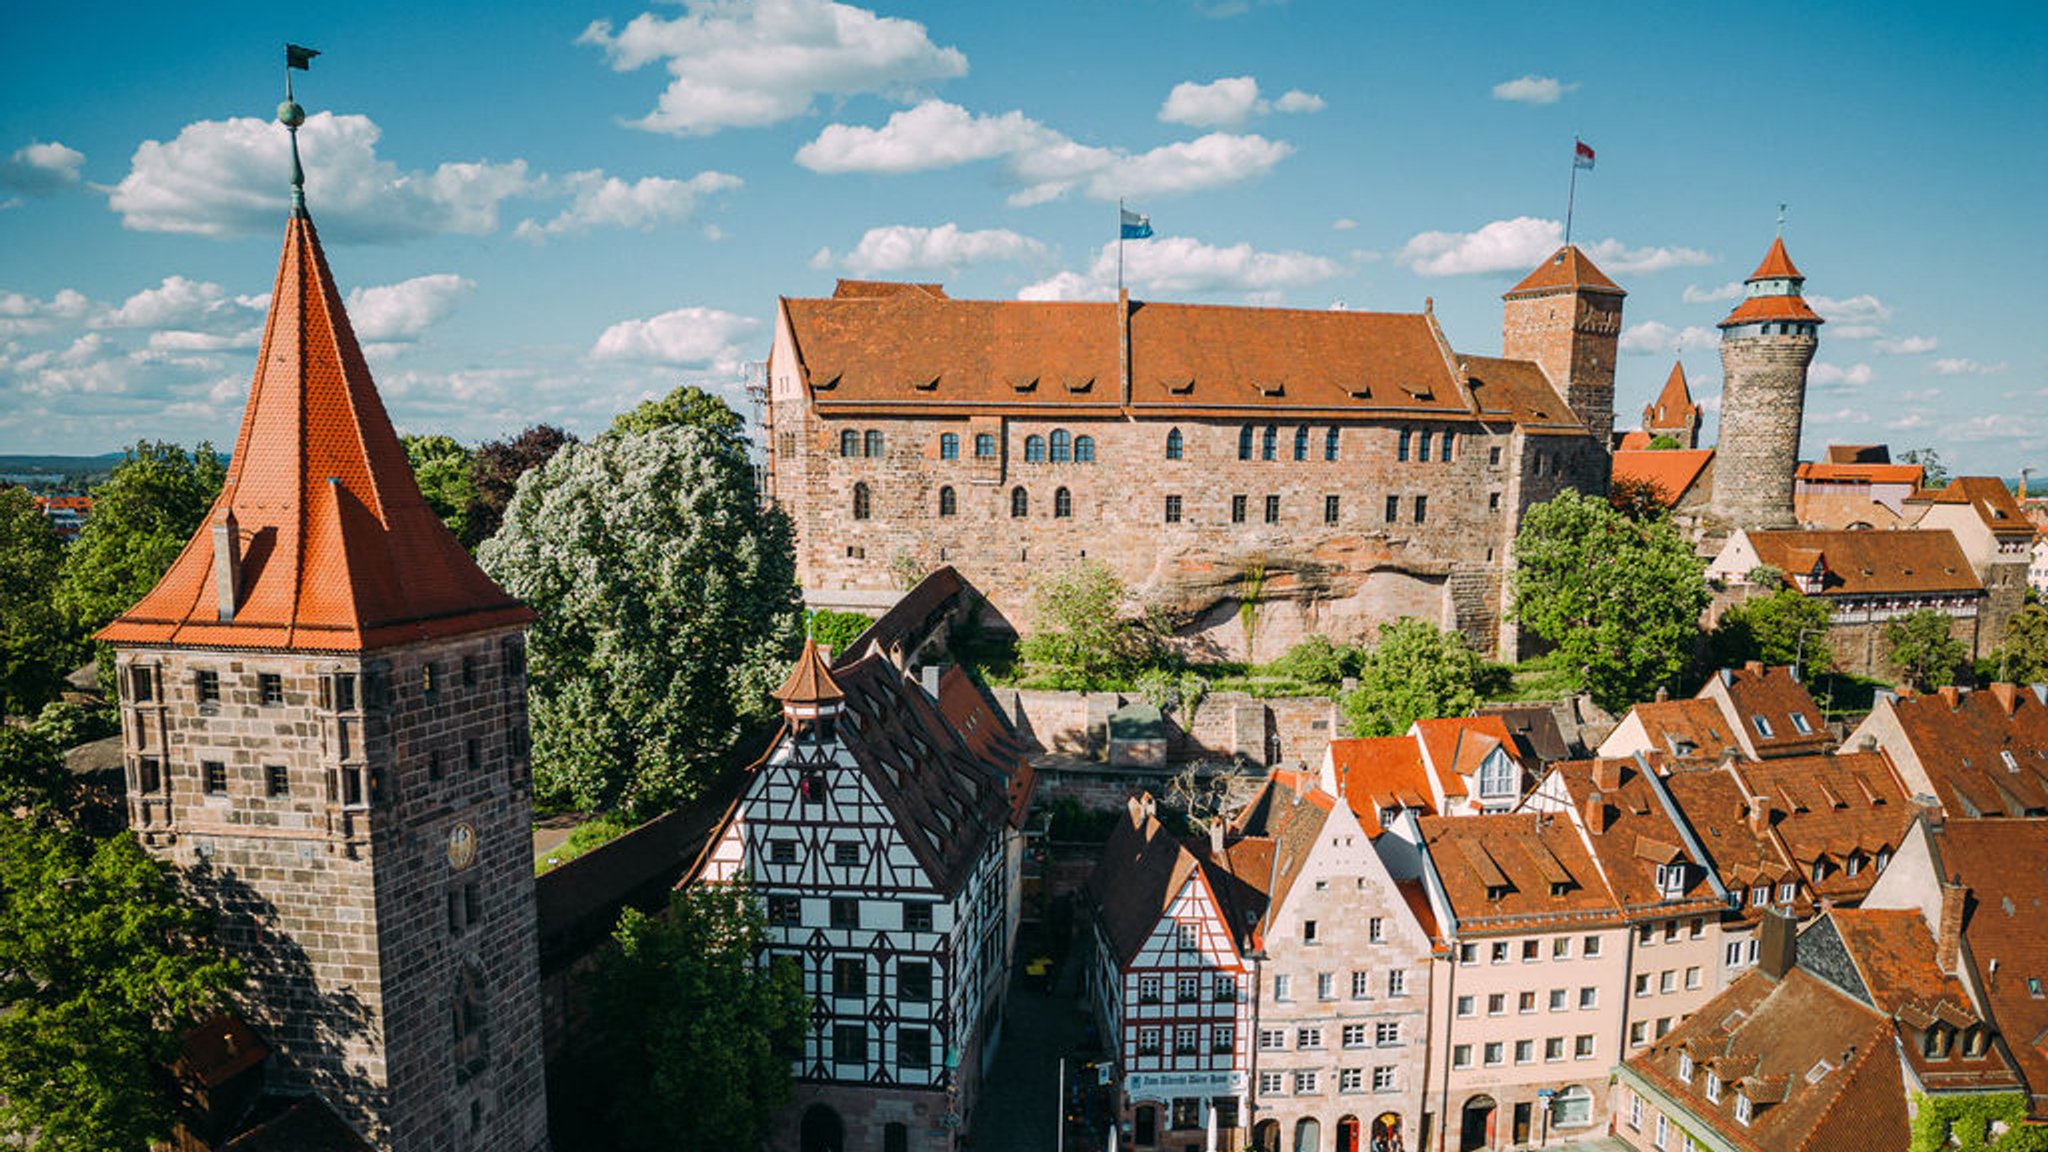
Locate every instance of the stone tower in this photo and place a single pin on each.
(1566, 316)
(323, 709)
(1766, 344)
(1673, 413)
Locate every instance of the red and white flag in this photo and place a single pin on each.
(1582, 154)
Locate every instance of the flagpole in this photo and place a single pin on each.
(1572, 195)
(1119, 246)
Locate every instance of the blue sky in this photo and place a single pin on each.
(546, 212)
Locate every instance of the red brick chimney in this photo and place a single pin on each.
(1607, 775)
(1949, 696)
(1948, 942)
(1777, 943)
(1596, 813)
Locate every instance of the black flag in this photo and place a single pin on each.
(300, 58)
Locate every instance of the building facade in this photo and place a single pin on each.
(324, 726)
(1332, 470)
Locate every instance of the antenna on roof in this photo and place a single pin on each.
(291, 116)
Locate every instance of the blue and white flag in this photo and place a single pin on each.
(1136, 225)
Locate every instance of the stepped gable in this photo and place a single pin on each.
(337, 550)
(1568, 268)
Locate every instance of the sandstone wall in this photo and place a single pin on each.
(1763, 400)
(1227, 725)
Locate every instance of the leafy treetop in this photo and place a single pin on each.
(1415, 672)
(36, 646)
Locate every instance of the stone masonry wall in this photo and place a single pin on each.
(326, 848)
(1763, 400)
(1227, 725)
(1574, 336)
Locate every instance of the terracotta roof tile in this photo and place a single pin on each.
(1673, 404)
(1873, 563)
(1568, 267)
(1377, 772)
(1757, 309)
(1472, 855)
(1894, 955)
(1637, 834)
(809, 680)
(1455, 746)
(1985, 752)
(1784, 705)
(1832, 473)
(1517, 390)
(1141, 869)
(340, 552)
(1994, 502)
(1685, 728)
(1777, 264)
(1830, 808)
(1712, 802)
(1672, 471)
(2004, 864)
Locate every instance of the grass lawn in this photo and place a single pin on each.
(596, 831)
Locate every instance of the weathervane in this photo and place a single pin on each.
(1781, 219)
(291, 116)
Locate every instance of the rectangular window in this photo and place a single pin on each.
(1421, 509)
(850, 1043)
(1270, 1083)
(782, 851)
(1376, 930)
(1642, 983)
(1559, 1000)
(1589, 997)
(1151, 989)
(149, 774)
(1638, 1034)
(1326, 985)
(1531, 950)
(216, 774)
(1148, 1041)
(1397, 982)
(1493, 501)
(1526, 1002)
(271, 687)
(141, 684)
(1393, 509)
(1592, 947)
(1283, 987)
(1667, 980)
(1496, 1054)
(1500, 952)
(1468, 954)
(1386, 1034)
(1222, 1038)
(1525, 1051)
(845, 912)
(1331, 506)
(785, 910)
(1354, 1036)
(1383, 1078)
(849, 976)
(430, 681)
(1304, 1083)
(208, 684)
(344, 692)
(1184, 937)
(1272, 1039)
(1401, 448)
(1560, 948)
(914, 1047)
(1444, 452)
(1308, 1039)
(1424, 454)
(1187, 989)
(1582, 1047)
(1173, 509)
(1237, 506)
(1225, 988)
(1350, 1079)
(1493, 457)
(1692, 976)
(1186, 1039)
(473, 754)
(917, 917)
(1272, 509)
(277, 780)
(1467, 1006)
(846, 855)
(1461, 1056)
(914, 981)
(1497, 1004)
(1553, 1048)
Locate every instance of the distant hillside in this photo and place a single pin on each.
(41, 471)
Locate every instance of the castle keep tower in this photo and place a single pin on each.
(1766, 344)
(1566, 316)
(323, 712)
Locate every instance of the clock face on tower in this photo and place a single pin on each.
(461, 846)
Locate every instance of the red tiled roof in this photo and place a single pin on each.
(1376, 772)
(1859, 454)
(1455, 746)
(340, 552)
(1142, 868)
(1685, 728)
(1711, 800)
(1829, 807)
(2004, 864)
(1517, 390)
(1994, 502)
(1498, 872)
(1637, 835)
(1833, 473)
(1962, 741)
(857, 289)
(809, 680)
(1671, 471)
(1756, 309)
(1771, 692)
(1635, 440)
(1568, 267)
(1894, 957)
(1777, 264)
(1871, 563)
(1674, 403)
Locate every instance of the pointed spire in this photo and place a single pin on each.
(1675, 401)
(1568, 267)
(335, 549)
(1777, 265)
(809, 691)
(1774, 293)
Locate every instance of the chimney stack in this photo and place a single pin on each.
(1596, 813)
(1948, 942)
(1606, 774)
(2007, 695)
(227, 564)
(1777, 943)
(1759, 814)
(1663, 694)
(1949, 696)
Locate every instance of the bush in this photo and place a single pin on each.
(836, 631)
(1317, 660)
(68, 725)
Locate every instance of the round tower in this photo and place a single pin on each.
(1766, 344)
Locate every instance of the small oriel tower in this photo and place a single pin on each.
(1566, 316)
(1673, 412)
(1767, 342)
(323, 712)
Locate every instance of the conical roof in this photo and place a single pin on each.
(1675, 401)
(810, 681)
(1777, 265)
(337, 549)
(1782, 304)
(1568, 267)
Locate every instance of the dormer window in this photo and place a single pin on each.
(1685, 1067)
(1743, 1110)
(1713, 1088)
(1763, 726)
(1935, 1044)
(1800, 725)
(1975, 1038)
(1497, 776)
(1671, 880)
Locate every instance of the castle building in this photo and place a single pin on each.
(1259, 473)
(323, 712)
(1673, 412)
(883, 832)
(1767, 342)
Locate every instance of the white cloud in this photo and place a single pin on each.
(1044, 163)
(1618, 259)
(607, 201)
(1964, 366)
(1533, 89)
(1181, 266)
(1835, 378)
(750, 63)
(173, 344)
(22, 314)
(1229, 102)
(228, 177)
(1841, 416)
(2027, 429)
(1697, 295)
(401, 312)
(700, 337)
(1345, 224)
(1907, 423)
(1919, 395)
(175, 303)
(1501, 246)
(1852, 317)
(1651, 337)
(1904, 346)
(907, 248)
(40, 169)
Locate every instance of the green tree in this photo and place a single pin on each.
(836, 631)
(699, 1036)
(1620, 598)
(687, 407)
(1922, 650)
(1638, 498)
(142, 517)
(441, 465)
(103, 963)
(1415, 672)
(1316, 660)
(1079, 626)
(1934, 472)
(2023, 658)
(667, 608)
(36, 647)
(1782, 628)
(1664, 442)
(495, 470)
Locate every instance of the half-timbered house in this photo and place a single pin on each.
(883, 840)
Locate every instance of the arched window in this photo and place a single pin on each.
(1173, 444)
(1330, 444)
(1062, 446)
(874, 442)
(1034, 449)
(949, 446)
(860, 501)
(984, 445)
(1062, 504)
(1269, 444)
(1244, 442)
(1020, 503)
(849, 443)
(1084, 449)
(1301, 443)
(948, 503)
